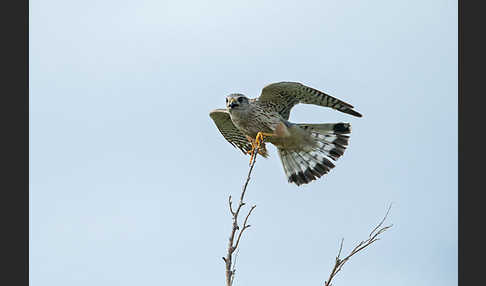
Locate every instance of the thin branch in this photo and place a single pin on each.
(373, 236)
(230, 205)
(382, 221)
(245, 226)
(233, 270)
(232, 245)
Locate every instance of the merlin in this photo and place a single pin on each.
(307, 151)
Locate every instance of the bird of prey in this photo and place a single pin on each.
(306, 150)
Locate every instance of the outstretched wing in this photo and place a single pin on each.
(229, 131)
(285, 95)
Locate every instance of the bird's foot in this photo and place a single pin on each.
(259, 139)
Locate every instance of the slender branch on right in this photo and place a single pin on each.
(373, 236)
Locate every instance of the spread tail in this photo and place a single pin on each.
(305, 166)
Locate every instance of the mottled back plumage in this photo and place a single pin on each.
(306, 150)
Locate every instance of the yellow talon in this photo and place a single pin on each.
(260, 137)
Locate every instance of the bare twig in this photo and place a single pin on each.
(373, 236)
(236, 232)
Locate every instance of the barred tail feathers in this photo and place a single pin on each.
(302, 167)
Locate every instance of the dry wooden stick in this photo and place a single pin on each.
(236, 232)
(373, 236)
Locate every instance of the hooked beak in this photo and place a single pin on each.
(232, 103)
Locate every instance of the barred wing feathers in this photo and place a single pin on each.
(282, 96)
(229, 131)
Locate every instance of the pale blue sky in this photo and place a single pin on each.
(129, 177)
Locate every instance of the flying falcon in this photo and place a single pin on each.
(306, 150)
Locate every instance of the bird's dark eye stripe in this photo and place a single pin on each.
(240, 99)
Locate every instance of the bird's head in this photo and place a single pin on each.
(236, 101)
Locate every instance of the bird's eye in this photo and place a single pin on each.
(240, 99)
(226, 100)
